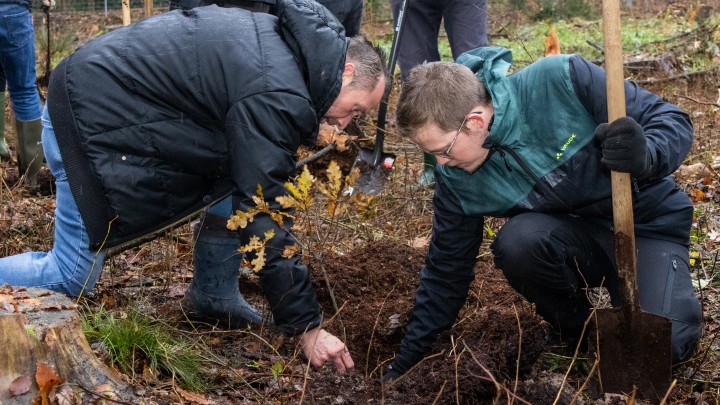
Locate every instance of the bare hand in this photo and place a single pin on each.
(319, 346)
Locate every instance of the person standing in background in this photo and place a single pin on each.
(465, 23)
(17, 73)
(348, 12)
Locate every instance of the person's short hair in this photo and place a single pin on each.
(440, 93)
(369, 61)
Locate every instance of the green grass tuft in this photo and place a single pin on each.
(135, 341)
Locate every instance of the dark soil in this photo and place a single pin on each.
(498, 341)
(497, 351)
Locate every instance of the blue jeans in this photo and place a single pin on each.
(69, 268)
(17, 60)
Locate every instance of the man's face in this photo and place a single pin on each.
(461, 148)
(352, 102)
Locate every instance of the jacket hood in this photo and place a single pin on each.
(491, 64)
(319, 42)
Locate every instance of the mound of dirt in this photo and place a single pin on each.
(494, 344)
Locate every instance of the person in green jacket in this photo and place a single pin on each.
(535, 147)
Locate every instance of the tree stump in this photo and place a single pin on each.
(44, 356)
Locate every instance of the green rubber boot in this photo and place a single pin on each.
(29, 149)
(3, 146)
(427, 177)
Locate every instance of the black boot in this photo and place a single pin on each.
(214, 294)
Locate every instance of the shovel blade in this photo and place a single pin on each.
(372, 178)
(634, 352)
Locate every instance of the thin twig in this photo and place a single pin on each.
(517, 361)
(99, 395)
(437, 397)
(698, 101)
(499, 387)
(324, 151)
(667, 394)
(372, 334)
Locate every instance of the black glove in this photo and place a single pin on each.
(624, 148)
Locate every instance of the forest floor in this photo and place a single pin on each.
(365, 269)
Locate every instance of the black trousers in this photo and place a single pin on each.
(552, 259)
(465, 23)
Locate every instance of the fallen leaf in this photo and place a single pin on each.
(64, 395)
(20, 386)
(46, 378)
(421, 242)
(105, 390)
(192, 397)
(7, 307)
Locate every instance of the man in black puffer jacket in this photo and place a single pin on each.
(148, 124)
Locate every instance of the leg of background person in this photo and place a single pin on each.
(666, 289)
(348, 12)
(214, 294)
(466, 25)
(353, 18)
(18, 61)
(419, 41)
(551, 259)
(70, 267)
(418, 44)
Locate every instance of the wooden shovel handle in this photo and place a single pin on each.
(623, 221)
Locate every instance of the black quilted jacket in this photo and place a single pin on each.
(159, 119)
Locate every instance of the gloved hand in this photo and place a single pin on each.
(390, 375)
(49, 4)
(624, 148)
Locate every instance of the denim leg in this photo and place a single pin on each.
(69, 268)
(17, 56)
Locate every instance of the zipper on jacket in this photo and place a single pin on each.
(546, 189)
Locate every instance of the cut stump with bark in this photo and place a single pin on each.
(44, 356)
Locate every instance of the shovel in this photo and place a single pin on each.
(374, 164)
(633, 346)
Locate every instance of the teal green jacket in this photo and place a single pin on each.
(543, 158)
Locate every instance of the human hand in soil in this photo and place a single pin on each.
(320, 346)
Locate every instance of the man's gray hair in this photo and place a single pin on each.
(369, 61)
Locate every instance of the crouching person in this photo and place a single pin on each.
(148, 124)
(535, 146)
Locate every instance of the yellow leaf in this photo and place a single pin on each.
(334, 175)
(290, 251)
(287, 201)
(278, 217)
(259, 262)
(239, 220)
(253, 244)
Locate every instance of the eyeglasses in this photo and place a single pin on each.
(447, 154)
